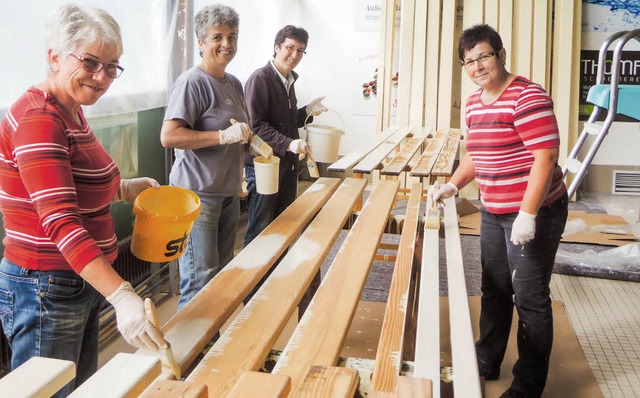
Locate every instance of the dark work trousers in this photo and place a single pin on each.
(263, 209)
(521, 275)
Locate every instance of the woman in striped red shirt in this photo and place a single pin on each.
(56, 185)
(512, 143)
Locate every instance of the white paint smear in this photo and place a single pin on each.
(304, 250)
(258, 253)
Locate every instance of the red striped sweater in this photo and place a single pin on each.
(500, 138)
(56, 184)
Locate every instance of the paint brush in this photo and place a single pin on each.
(433, 214)
(258, 144)
(312, 167)
(165, 353)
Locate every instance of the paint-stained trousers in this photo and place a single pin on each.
(518, 275)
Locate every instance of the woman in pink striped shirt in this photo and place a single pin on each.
(512, 143)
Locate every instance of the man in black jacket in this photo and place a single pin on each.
(275, 117)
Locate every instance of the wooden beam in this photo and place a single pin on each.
(540, 54)
(505, 29)
(329, 382)
(447, 46)
(400, 161)
(427, 354)
(523, 38)
(247, 342)
(319, 337)
(432, 63)
(389, 354)
(38, 377)
(125, 375)
(405, 75)
(353, 157)
(263, 385)
(417, 104)
(443, 166)
(463, 351)
(385, 64)
(193, 327)
(414, 387)
(175, 389)
(375, 158)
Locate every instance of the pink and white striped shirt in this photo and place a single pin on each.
(500, 138)
(56, 185)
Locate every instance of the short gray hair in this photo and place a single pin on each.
(72, 26)
(215, 15)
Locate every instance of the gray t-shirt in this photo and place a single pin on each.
(206, 103)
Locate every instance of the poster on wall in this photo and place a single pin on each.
(368, 16)
(601, 19)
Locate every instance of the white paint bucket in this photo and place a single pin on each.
(324, 141)
(267, 174)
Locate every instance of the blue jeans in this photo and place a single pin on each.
(210, 246)
(263, 209)
(52, 314)
(521, 275)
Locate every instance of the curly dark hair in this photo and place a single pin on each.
(476, 34)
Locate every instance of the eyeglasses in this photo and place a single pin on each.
(300, 51)
(92, 66)
(482, 59)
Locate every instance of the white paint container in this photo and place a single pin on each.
(267, 174)
(324, 141)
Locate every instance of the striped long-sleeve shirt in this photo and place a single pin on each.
(500, 138)
(56, 184)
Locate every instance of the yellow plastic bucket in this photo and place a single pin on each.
(164, 218)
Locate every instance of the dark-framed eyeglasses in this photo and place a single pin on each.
(300, 51)
(482, 59)
(93, 66)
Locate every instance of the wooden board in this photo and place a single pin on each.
(447, 46)
(447, 156)
(389, 355)
(427, 352)
(400, 161)
(329, 382)
(319, 337)
(375, 158)
(428, 158)
(405, 83)
(125, 375)
(175, 389)
(417, 104)
(463, 351)
(523, 38)
(38, 377)
(432, 63)
(353, 157)
(414, 387)
(263, 385)
(247, 342)
(385, 65)
(193, 327)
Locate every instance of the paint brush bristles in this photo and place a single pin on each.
(433, 214)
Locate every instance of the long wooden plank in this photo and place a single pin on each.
(193, 327)
(523, 38)
(447, 46)
(472, 15)
(427, 356)
(463, 350)
(432, 63)
(428, 158)
(385, 64)
(447, 156)
(38, 377)
(416, 107)
(375, 158)
(247, 342)
(414, 387)
(405, 83)
(263, 385)
(175, 389)
(329, 382)
(505, 28)
(539, 71)
(401, 160)
(319, 337)
(357, 154)
(389, 354)
(125, 376)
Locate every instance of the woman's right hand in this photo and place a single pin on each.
(132, 320)
(444, 192)
(237, 132)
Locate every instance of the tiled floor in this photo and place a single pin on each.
(605, 313)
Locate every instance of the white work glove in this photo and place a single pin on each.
(523, 228)
(444, 192)
(238, 132)
(315, 107)
(132, 319)
(300, 147)
(130, 188)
